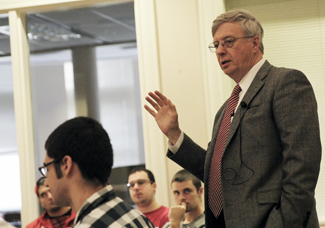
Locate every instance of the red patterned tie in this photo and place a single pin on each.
(215, 194)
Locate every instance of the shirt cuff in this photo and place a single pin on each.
(174, 148)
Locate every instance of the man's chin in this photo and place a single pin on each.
(60, 203)
(55, 208)
(188, 209)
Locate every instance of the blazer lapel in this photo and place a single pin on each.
(253, 89)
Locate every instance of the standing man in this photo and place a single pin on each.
(261, 166)
(78, 162)
(53, 216)
(142, 188)
(189, 212)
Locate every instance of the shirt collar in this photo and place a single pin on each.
(246, 81)
(105, 194)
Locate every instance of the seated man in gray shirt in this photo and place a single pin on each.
(189, 212)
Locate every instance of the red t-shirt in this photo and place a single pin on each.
(45, 221)
(158, 217)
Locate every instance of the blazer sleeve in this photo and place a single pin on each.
(190, 156)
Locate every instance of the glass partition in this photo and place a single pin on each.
(10, 195)
(110, 30)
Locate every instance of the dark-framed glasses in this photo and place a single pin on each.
(226, 43)
(43, 169)
(140, 183)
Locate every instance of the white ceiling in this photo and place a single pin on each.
(59, 30)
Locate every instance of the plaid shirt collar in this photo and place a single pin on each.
(96, 199)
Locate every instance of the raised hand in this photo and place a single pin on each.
(165, 115)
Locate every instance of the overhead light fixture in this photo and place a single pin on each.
(44, 32)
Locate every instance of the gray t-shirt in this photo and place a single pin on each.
(199, 222)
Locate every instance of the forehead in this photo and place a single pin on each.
(228, 29)
(42, 189)
(139, 175)
(179, 186)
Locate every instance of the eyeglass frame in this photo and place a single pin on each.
(132, 184)
(44, 167)
(212, 45)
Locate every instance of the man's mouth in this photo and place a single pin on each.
(224, 62)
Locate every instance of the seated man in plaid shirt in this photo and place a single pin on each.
(77, 164)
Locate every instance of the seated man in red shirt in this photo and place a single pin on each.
(142, 188)
(53, 215)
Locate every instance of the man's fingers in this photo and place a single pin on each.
(159, 105)
(155, 98)
(153, 104)
(152, 112)
(159, 98)
(183, 205)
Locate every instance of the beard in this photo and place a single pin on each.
(54, 209)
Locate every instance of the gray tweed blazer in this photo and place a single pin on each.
(272, 156)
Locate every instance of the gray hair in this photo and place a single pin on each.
(250, 25)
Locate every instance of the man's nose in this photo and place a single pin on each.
(49, 195)
(220, 50)
(182, 200)
(136, 186)
(183, 197)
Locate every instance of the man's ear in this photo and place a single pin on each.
(66, 166)
(256, 43)
(154, 186)
(200, 191)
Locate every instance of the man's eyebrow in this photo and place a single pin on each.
(226, 37)
(137, 180)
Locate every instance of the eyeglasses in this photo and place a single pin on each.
(43, 169)
(140, 183)
(226, 43)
